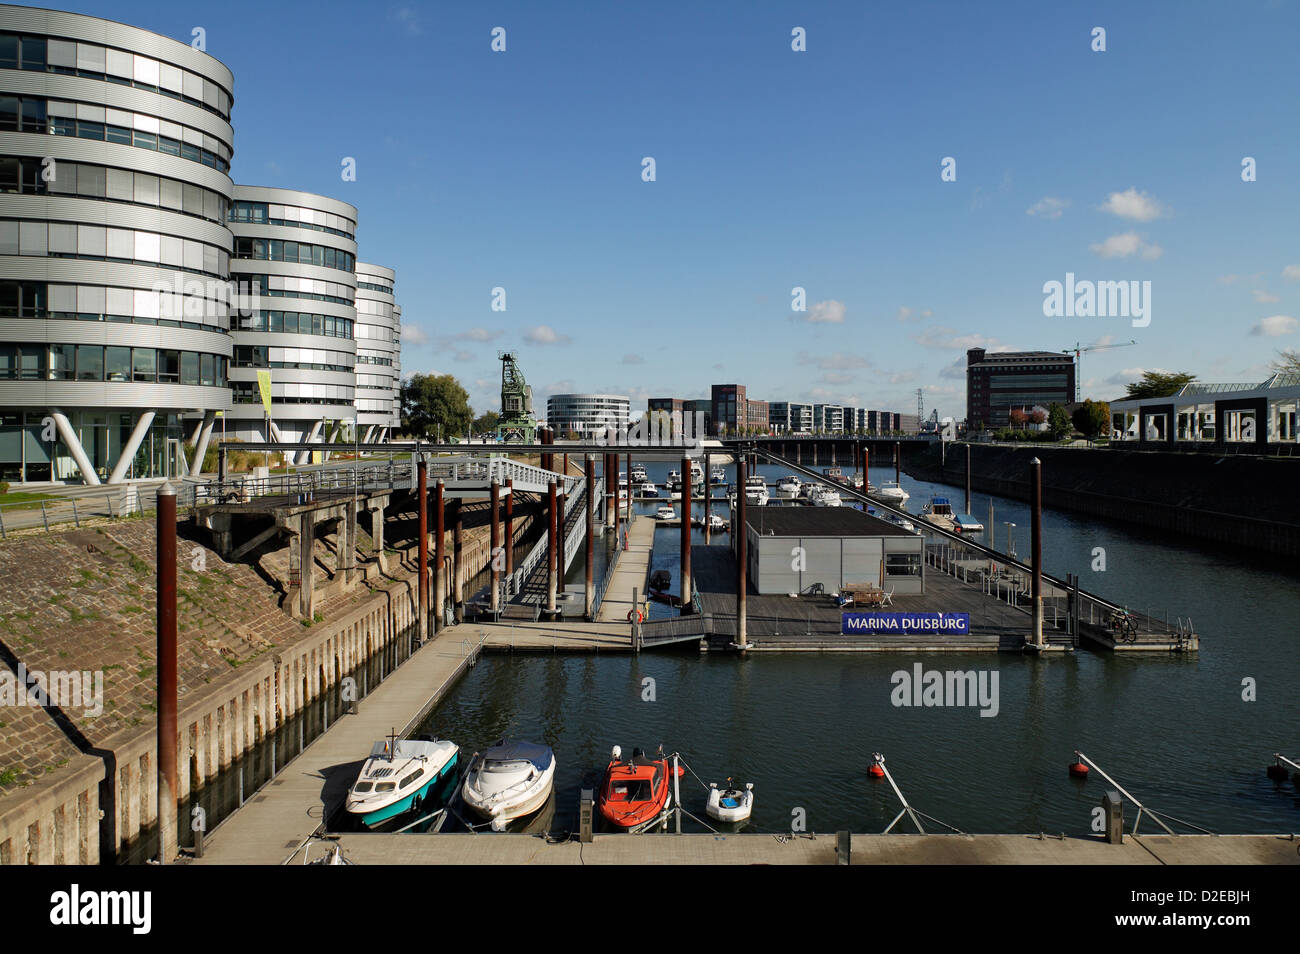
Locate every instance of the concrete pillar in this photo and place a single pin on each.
(377, 536)
(686, 537)
(74, 447)
(204, 438)
(304, 457)
(306, 563)
(347, 546)
(138, 434)
(439, 556)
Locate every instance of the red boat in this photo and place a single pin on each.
(636, 790)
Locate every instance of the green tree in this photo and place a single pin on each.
(1157, 384)
(486, 423)
(1092, 418)
(432, 403)
(1058, 422)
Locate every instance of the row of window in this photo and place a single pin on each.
(101, 303)
(100, 243)
(111, 65)
(378, 288)
(303, 359)
(372, 359)
(64, 362)
(286, 286)
(303, 253)
(28, 114)
(244, 392)
(262, 213)
(28, 175)
(297, 323)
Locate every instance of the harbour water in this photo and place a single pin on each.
(1175, 730)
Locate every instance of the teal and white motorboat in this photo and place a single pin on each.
(402, 775)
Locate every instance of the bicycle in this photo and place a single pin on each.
(1123, 626)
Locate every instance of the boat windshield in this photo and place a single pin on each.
(506, 765)
(385, 786)
(634, 790)
(361, 787)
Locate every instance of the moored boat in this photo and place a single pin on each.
(665, 513)
(789, 486)
(756, 490)
(648, 489)
(401, 775)
(730, 804)
(940, 513)
(719, 476)
(634, 791)
(890, 493)
(509, 780)
(965, 523)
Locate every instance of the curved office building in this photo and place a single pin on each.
(115, 146)
(295, 260)
(378, 343)
(584, 413)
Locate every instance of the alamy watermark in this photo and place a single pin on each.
(656, 429)
(948, 689)
(70, 689)
(1088, 299)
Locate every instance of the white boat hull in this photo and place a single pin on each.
(730, 806)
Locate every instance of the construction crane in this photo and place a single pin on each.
(516, 424)
(1079, 351)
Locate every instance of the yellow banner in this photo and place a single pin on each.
(264, 385)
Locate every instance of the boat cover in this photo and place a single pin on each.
(507, 750)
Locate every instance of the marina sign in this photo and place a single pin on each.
(869, 623)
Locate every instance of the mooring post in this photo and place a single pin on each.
(741, 539)
(422, 493)
(167, 787)
(547, 459)
(677, 788)
(629, 492)
(495, 542)
(866, 469)
(610, 491)
(898, 463)
(686, 536)
(439, 556)
(510, 526)
(708, 500)
(589, 465)
(458, 563)
(550, 547)
(968, 478)
(1036, 479)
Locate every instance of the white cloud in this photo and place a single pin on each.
(633, 359)
(908, 314)
(822, 312)
(1124, 245)
(1132, 204)
(949, 339)
(1274, 326)
(1127, 375)
(413, 334)
(955, 370)
(1048, 207)
(1291, 273)
(833, 362)
(1263, 297)
(408, 18)
(477, 334)
(545, 335)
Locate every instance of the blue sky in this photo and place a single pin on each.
(776, 169)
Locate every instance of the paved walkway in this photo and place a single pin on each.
(631, 572)
(287, 810)
(616, 849)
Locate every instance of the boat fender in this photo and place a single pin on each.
(639, 615)
(876, 771)
(1078, 770)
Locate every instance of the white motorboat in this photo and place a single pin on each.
(719, 476)
(697, 474)
(402, 775)
(665, 513)
(890, 493)
(789, 486)
(509, 780)
(823, 496)
(639, 475)
(674, 481)
(648, 489)
(756, 490)
(715, 522)
(730, 804)
(901, 522)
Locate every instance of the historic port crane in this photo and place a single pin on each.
(1079, 351)
(516, 424)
